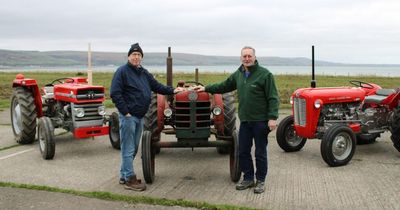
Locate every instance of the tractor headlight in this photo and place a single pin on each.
(167, 112)
(101, 110)
(317, 103)
(216, 111)
(79, 112)
(291, 100)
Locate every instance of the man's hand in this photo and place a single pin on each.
(199, 88)
(272, 124)
(178, 90)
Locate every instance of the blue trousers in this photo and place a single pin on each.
(259, 132)
(130, 131)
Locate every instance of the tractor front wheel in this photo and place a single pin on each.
(148, 156)
(286, 136)
(23, 115)
(234, 158)
(47, 145)
(338, 145)
(113, 131)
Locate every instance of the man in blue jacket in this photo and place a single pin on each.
(131, 89)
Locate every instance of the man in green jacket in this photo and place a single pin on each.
(258, 112)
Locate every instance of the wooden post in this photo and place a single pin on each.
(89, 71)
(196, 75)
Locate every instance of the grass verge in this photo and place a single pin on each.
(125, 198)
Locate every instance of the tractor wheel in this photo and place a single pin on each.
(366, 138)
(23, 115)
(286, 136)
(148, 156)
(338, 145)
(234, 158)
(229, 118)
(113, 131)
(395, 129)
(47, 145)
(151, 119)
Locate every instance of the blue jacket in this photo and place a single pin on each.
(131, 89)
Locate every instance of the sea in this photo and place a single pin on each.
(375, 70)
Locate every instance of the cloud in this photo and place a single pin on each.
(355, 31)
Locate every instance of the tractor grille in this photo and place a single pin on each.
(192, 114)
(89, 94)
(91, 118)
(299, 111)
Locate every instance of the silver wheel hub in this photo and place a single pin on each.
(341, 146)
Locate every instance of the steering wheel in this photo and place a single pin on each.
(62, 80)
(361, 84)
(193, 82)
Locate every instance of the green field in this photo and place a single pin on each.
(286, 83)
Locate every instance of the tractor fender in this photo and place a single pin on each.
(31, 85)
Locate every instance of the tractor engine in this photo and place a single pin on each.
(375, 119)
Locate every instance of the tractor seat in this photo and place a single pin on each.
(381, 95)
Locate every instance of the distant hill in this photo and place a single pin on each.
(12, 58)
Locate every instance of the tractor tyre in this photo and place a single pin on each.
(23, 115)
(113, 131)
(229, 118)
(234, 158)
(151, 119)
(338, 145)
(395, 129)
(148, 156)
(366, 138)
(47, 144)
(286, 136)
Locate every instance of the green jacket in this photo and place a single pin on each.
(258, 95)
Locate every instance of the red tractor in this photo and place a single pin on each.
(192, 117)
(68, 103)
(341, 117)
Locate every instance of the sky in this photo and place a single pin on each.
(346, 31)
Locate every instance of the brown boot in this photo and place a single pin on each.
(134, 184)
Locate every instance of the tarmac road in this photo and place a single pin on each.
(299, 180)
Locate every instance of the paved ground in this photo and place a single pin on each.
(298, 180)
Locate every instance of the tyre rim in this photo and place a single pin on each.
(291, 137)
(341, 146)
(42, 142)
(114, 133)
(17, 124)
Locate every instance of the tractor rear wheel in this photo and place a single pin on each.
(286, 136)
(338, 145)
(47, 144)
(113, 131)
(234, 158)
(229, 118)
(151, 119)
(23, 115)
(148, 156)
(395, 129)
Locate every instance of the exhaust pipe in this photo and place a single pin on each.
(313, 81)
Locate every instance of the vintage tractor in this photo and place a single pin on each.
(192, 117)
(68, 103)
(341, 117)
